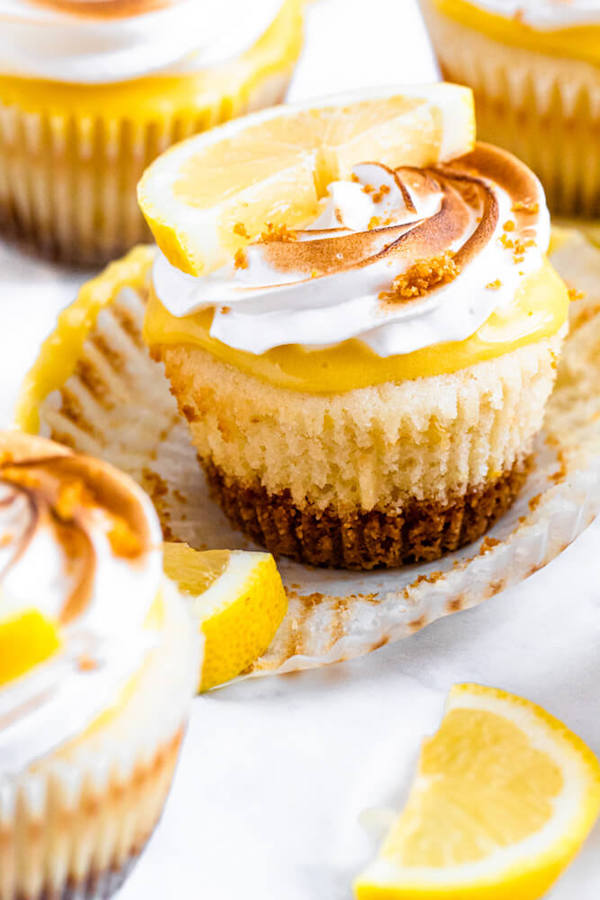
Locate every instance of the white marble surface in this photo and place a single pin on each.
(275, 772)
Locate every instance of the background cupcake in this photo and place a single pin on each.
(91, 93)
(98, 664)
(534, 66)
(365, 391)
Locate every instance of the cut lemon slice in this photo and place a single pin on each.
(204, 198)
(503, 799)
(237, 599)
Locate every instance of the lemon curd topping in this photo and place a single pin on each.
(538, 311)
(26, 640)
(577, 41)
(203, 94)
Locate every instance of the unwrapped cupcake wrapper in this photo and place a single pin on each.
(544, 109)
(117, 405)
(73, 824)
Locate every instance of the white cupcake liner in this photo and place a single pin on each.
(118, 406)
(74, 823)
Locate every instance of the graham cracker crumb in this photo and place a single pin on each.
(71, 495)
(86, 663)
(526, 206)
(123, 540)
(535, 502)
(380, 193)
(421, 277)
(240, 228)
(277, 233)
(240, 260)
(487, 544)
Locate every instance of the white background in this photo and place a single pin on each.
(275, 772)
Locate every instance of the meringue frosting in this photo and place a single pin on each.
(106, 41)
(80, 553)
(399, 263)
(567, 28)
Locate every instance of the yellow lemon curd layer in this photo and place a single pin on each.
(538, 311)
(579, 41)
(26, 640)
(207, 92)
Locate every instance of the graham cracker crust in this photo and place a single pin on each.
(421, 531)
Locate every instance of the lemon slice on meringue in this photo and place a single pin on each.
(238, 601)
(207, 196)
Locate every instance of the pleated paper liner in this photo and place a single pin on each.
(98, 390)
(71, 156)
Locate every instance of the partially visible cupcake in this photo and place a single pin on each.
(534, 66)
(365, 390)
(90, 93)
(98, 664)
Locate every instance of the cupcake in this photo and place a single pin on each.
(98, 664)
(90, 93)
(365, 390)
(534, 66)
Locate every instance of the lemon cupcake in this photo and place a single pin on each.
(534, 66)
(98, 664)
(90, 93)
(363, 390)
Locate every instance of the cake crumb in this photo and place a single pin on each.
(574, 294)
(494, 285)
(509, 225)
(421, 277)
(225, 310)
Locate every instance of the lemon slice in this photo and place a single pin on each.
(237, 599)
(26, 640)
(206, 197)
(503, 799)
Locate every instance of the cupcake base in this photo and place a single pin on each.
(420, 531)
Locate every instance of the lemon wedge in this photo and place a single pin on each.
(26, 640)
(206, 197)
(503, 799)
(237, 599)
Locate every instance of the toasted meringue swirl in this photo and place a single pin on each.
(79, 544)
(399, 259)
(84, 42)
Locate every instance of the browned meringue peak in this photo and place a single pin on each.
(63, 492)
(464, 223)
(104, 9)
